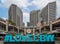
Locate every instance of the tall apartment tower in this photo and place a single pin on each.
(48, 13)
(16, 15)
(34, 17)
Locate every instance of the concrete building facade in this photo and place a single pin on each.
(48, 13)
(34, 17)
(16, 15)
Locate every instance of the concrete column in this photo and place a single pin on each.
(13, 29)
(40, 30)
(18, 29)
(50, 27)
(25, 31)
(6, 26)
(33, 31)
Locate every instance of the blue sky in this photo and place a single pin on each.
(26, 6)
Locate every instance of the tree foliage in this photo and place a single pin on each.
(11, 22)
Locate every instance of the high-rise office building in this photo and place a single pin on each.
(16, 15)
(34, 17)
(48, 13)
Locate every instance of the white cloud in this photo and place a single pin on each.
(25, 3)
(26, 17)
(26, 14)
(40, 3)
(58, 3)
(51, 0)
(4, 18)
(7, 3)
(58, 8)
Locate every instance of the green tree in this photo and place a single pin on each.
(11, 22)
